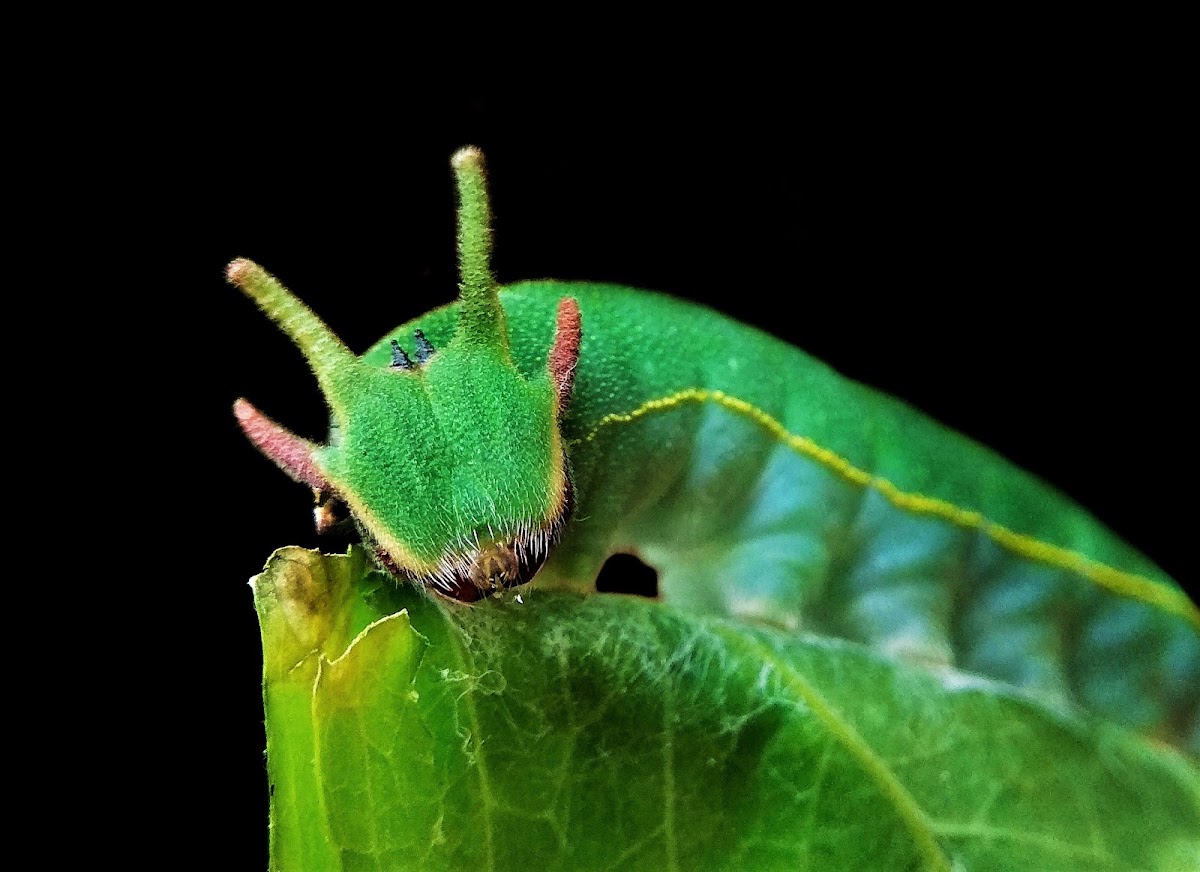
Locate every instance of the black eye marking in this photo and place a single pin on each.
(424, 348)
(399, 358)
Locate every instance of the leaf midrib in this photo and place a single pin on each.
(905, 805)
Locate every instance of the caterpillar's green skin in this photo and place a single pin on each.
(759, 482)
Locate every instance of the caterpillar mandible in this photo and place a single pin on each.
(536, 429)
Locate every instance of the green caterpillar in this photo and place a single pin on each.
(539, 428)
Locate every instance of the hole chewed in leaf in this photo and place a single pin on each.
(625, 573)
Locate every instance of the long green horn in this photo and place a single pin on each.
(481, 319)
(322, 349)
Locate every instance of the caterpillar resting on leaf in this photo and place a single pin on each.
(540, 427)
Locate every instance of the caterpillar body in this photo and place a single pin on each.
(539, 428)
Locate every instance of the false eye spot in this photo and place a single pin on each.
(625, 573)
(425, 348)
(400, 360)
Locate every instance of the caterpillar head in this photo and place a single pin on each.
(452, 465)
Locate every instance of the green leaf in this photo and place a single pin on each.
(612, 732)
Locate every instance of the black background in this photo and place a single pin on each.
(998, 249)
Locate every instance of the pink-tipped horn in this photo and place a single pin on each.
(564, 353)
(291, 453)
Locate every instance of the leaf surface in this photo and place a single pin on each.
(615, 733)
